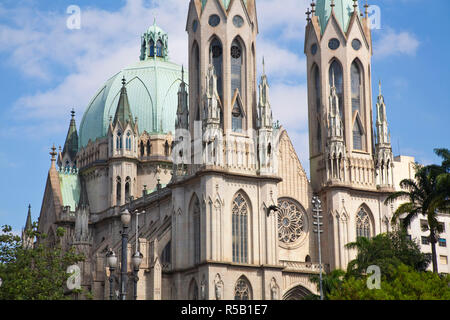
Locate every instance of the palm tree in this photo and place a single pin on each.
(427, 194)
(330, 281)
(442, 173)
(388, 251)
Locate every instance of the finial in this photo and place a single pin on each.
(308, 13)
(313, 7)
(29, 207)
(110, 119)
(124, 81)
(53, 154)
(154, 20)
(379, 87)
(73, 113)
(264, 67)
(332, 4)
(366, 9)
(182, 73)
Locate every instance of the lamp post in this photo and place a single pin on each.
(136, 261)
(317, 209)
(125, 218)
(111, 259)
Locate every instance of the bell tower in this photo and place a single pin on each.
(222, 34)
(338, 47)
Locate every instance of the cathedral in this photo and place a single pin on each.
(220, 204)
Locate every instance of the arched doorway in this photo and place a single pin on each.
(297, 293)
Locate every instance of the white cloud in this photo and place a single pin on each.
(284, 20)
(289, 106)
(80, 61)
(395, 43)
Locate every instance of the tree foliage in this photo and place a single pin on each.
(36, 273)
(404, 284)
(402, 267)
(427, 194)
(388, 251)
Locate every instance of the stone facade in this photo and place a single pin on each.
(224, 200)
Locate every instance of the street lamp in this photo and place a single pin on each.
(136, 261)
(317, 209)
(111, 260)
(125, 218)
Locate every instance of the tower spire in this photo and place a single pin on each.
(71, 144)
(123, 111)
(28, 224)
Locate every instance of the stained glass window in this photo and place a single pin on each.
(362, 224)
(236, 68)
(239, 229)
(291, 221)
(217, 56)
(357, 136)
(159, 48)
(336, 70)
(356, 87)
(242, 290)
(196, 217)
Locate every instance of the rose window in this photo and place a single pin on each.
(291, 221)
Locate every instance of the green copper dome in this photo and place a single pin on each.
(343, 10)
(152, 86)
(226, 3)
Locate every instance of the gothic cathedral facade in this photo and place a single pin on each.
(219, 201)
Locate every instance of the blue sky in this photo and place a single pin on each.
(46, 69)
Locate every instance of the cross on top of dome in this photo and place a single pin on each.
(154, 43)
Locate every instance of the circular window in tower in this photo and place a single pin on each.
(333, 44)
(194, 25)
(314, 49)
(236, 52)
(238, 21)
(214, 20)
(291, 221)
(356, 44)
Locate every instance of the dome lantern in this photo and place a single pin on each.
(154, 44)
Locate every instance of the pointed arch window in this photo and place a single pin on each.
(127, 189)
(196, 220)
(159, 48)
(242, 290)
(363, 224)
(217, 61)
(152, 49)
(317, 88)
(237, 117)
(239, 229)
(357, 135)
(193, 290)
(196, 54)
(118, 191)
(236, 68)
(119, 140)
(142, 149)
(128, 141)
(356, 87)
(336, 71)
(149, 148)
(166, 149)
